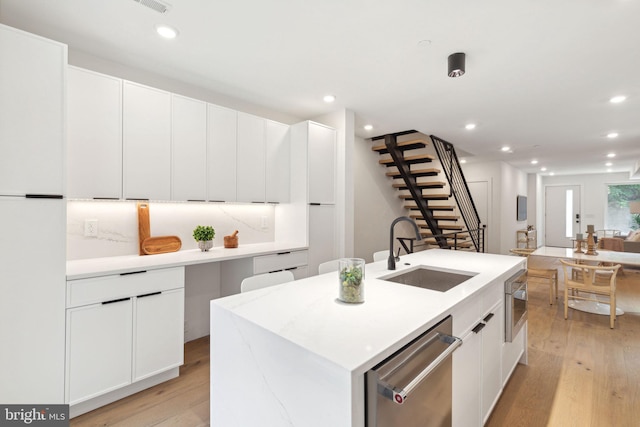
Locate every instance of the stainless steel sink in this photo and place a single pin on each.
(430, 278)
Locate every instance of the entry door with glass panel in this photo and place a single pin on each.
(562, 215)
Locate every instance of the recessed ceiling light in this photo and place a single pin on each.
(167, 31)
(470, 126)
(611, 155)
(612, 135)
(543, 169)
(329, 98)
(463, 161)
(608, 164)
(551, 173)
(505, 148)
(617, 99)
(534, 162)
(608, 170)
(368, 127)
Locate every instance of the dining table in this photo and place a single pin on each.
(605, 256)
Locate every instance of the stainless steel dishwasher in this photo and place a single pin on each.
(413, 387)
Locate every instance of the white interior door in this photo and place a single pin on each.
(562, 215)
(480, 193)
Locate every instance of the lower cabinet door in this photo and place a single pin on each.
(492, 337)
(465, 405)
(159, 333)
(99, 340)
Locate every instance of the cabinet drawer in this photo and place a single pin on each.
(104, 288)
(280, 261)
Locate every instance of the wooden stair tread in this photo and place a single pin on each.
(433, 208)
(426, 196)
(404, 145)
(417, 172)
(417, 158)
(432, 184)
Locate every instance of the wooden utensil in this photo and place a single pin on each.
(153, 245)
(232, 240)
(161, 245)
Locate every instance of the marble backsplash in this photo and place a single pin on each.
(118, 225)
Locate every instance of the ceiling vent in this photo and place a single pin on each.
(157, 5)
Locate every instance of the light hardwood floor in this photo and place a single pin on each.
(580, 373)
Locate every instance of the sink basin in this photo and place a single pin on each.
(430, 278)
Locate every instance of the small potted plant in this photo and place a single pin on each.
(351, 276)
(204, 234)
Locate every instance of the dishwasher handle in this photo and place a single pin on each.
(399, 395)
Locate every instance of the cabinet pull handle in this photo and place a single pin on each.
(195, 200)
(149, 294)
(138, 198)
(480, 326)
(314, 204)
(283, 253)
(106, 198)
(133, 272)
(115, 300)
(291, 268)
(43, 196)
(488, 317)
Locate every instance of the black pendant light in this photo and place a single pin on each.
(456, 64)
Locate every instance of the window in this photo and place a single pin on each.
(618, 216)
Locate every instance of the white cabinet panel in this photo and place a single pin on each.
(94, 130)
(221, 153)
(280, 261)
(159, 333)
(189, 149)
(32, 113)
(146, 142)
(278, 162)
(322, 163)
(99, 349)
(466, 403)
(322, 236)
(32, 318)
(250, 172)
(491, 359)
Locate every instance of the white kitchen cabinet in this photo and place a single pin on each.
(250, 162)
(32, 318)
(221, 153)
(477, 373)
(322, 236)
(280, 261)
(122, 329)
(159, 333)
(188, 149)
(94, 135)
(32, 114)
(99, 338)
(278, 162)
(146, 142)
(322, 163)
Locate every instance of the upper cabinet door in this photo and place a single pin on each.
(250, 171)
(221, 153)
(146, 143)
(189, 149)
(32, 113)
(322, 164)
(278, 162)
(94, 117)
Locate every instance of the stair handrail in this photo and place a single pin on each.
(411, 247)
(458, 186)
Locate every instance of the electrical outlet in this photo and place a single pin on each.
(91, 228)
(263, 222)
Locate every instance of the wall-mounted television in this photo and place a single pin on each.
(521, 204)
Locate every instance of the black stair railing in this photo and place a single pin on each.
(460, 190)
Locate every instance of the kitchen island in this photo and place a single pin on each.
(293, 354)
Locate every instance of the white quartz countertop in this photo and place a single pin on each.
(79, 269)
(358, 336)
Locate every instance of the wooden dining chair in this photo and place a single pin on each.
(593, 280)
(548, 274)
(264, 280)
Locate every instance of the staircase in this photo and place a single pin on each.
(426, 173)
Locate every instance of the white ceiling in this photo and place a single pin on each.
(539, 72)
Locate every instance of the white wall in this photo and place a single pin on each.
(593, 193)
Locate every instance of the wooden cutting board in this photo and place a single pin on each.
(161, 245)
(153, 245)
(144, 227)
